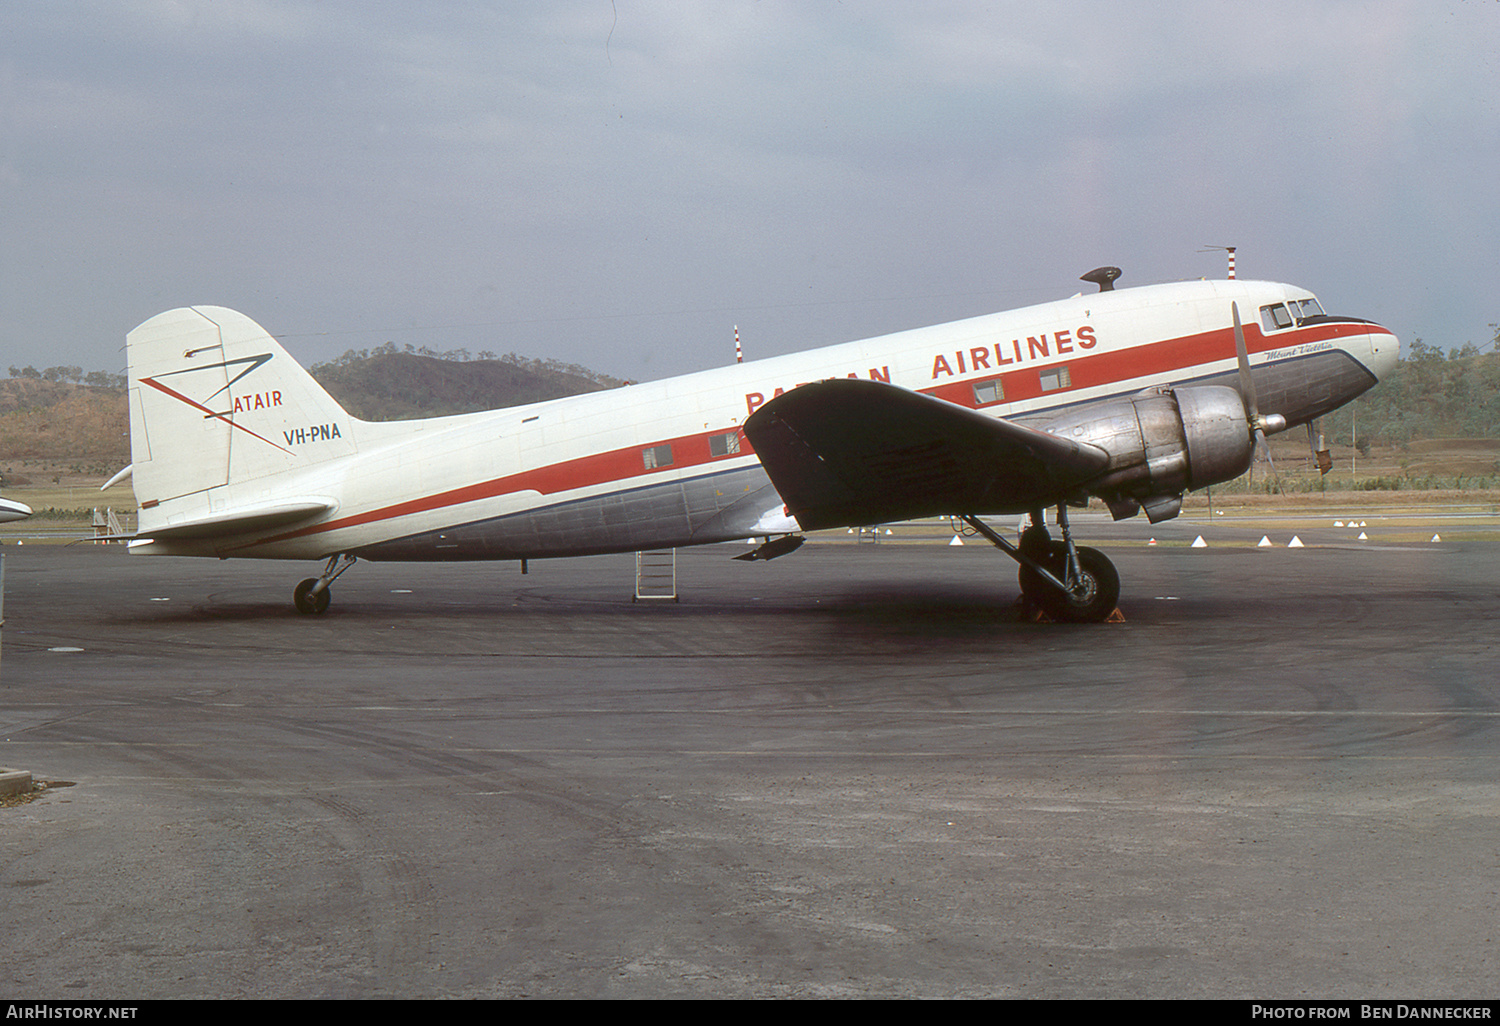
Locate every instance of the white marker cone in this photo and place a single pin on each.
(1199, 543)
(1436, 538)
(1264, 543)
(956, 540)
(1362, 537)
(1338, 523)
(1295, 543)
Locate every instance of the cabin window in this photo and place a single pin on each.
(1274, 318)
(724, 445)
(1054, 378)
(657, 456)
(987, 392)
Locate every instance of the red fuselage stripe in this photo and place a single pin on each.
(1153, 359)
(600, 468)
(1086, 371)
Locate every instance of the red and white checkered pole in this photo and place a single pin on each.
(740, 357)
(1231, 262)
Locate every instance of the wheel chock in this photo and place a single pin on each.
(1032, 613)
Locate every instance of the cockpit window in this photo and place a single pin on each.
(1305, 308)
(1274, 318)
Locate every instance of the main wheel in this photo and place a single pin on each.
(306, 602)
(1036, 543)
(1098, 587)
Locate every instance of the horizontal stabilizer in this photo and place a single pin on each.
(241, 521)
(844, 451)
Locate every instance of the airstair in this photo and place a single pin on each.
(656, 575)
(106, 525)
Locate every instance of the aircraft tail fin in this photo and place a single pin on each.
(216, 401)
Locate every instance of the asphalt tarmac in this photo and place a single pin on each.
(854, 771)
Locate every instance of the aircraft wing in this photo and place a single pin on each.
(845, 451)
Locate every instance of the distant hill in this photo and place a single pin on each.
(403, 386)
(57, 420)
(67, 421)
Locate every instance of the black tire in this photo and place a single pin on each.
(1036, 542)
(1098, 599)
(307, 603)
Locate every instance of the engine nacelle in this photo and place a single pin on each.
(1161, 443)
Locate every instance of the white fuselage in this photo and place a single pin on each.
(665, 463)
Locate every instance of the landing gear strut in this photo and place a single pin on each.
(312, 595)
(1067, 582)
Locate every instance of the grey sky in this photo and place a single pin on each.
(619, 184)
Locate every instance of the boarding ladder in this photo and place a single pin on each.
(656, 575)
(106, 525)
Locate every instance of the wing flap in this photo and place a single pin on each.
(844, 451)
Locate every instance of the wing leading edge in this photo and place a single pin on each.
(846, 451)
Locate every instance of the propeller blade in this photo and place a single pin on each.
(1265, 451)
(1247, 383)
(1259, 426)
(1271, 423)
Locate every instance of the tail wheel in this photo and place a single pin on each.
(1094, 595)
(307, 603)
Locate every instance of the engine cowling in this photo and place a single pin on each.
(1161, 443)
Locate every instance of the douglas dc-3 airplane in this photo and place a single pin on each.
(1132, 395)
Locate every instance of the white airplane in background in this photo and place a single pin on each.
(12, 510)
(1133, 395)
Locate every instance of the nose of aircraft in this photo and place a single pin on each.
(1385, 351)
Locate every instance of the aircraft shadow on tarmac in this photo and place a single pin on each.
(933, 609)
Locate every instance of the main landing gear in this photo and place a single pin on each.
(1066, 582)
(312, 595)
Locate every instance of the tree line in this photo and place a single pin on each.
(354, 356)
(75, 375)
(1432, 393)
